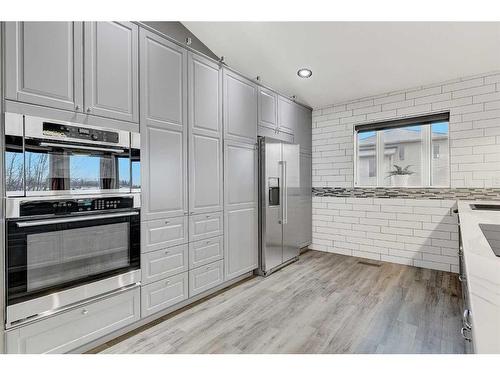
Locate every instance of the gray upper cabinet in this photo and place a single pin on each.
(268, 109)
(205, 135)
(44, 63)
(240, 108)
(241, 208)
(286, 115)
(163, 127)
(111, 70)
(303, 129)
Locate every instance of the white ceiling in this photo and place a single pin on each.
(351, 60)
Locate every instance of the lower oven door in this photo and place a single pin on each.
(50, 255)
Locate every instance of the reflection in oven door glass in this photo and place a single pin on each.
(55, 168)
(63, 256)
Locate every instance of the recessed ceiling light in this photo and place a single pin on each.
(304, 73)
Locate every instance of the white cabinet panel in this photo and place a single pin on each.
(111, 70)
(163, 127)
(162, 294)
(44, 63)
(205, 167)
(241, 246)
(205, 96)
(205, 226)
(286, 115)
(268, 109)
(240, 174)
(205, 251)
(72, 329)
(240, 108)
(157, 265)
(164, 233)
(206, 277)
(240, 209)
(164, 180)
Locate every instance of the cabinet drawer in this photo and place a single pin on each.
(205, 251)
(72, 329)
(206, 277)
(162, 294)
(205, 226)
(159, 264)
(160, 234)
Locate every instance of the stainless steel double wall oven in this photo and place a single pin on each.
(72, 214)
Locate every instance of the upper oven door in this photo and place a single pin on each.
(53, 167)
(48, 255)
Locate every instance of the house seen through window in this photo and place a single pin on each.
(403, 153)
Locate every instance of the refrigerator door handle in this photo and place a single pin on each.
(285, 194)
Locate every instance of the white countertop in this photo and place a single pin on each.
(482, 269)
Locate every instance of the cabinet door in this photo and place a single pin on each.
(267, 109)
(303, 131)
(240, 108)
(241, 211)
(286, 115)
(111, 70)
(163, 127)
(44, 63)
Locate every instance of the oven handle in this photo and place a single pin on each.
(78, 147)
(34, 223)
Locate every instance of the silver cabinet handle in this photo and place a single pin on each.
(167, 252)
(167, 222)
(285, 193)
(461, 278)
(167, 282)
(77, 107)
(464, 335)
(85, 312)
(23, 224)
(89, 109)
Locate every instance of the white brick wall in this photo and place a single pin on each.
(418, 232)
(408, 231)
(474, 105)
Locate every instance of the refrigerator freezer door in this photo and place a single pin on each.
(291, 201)
(272, 251)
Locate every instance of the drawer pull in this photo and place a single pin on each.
(167, 252)
(461, 278)
(465, 319)
(85, 312)
(167, 222)
(167, 282)
(208, 216)
(464, 335)
(208, 242)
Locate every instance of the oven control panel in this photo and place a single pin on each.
(77, 132)
(72, 206)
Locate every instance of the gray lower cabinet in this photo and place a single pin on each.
(163, 79)
(206, 277)
(205, 251)
(163, 233)
(159, 264)
(163, 294)
(69, 330)
(205, 226)
(111, 70)
(44, 63)
(240, 209)
(240, 108)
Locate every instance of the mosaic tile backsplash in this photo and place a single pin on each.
(409, 193)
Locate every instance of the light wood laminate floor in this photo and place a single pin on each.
(324, 303)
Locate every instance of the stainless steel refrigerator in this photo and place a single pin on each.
(279, 204)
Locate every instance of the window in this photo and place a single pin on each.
(403, 153)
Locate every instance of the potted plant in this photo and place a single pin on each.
(399, 176)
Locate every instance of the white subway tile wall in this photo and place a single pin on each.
(416, 232)
(474, 105)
